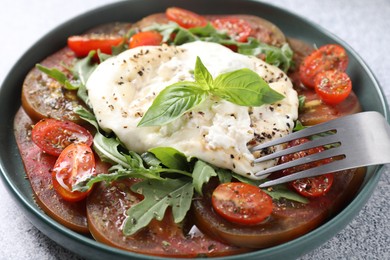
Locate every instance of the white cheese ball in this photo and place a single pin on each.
(123, 87)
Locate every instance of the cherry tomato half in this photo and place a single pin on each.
(241, 203)
(147, 38)
(327, 57)
(185, 18)
(82, 45)
(237, 28)
(332, 86)
(53, 136)
(312, 186)
(75, 163)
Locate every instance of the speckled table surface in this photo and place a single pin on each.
(363, 24)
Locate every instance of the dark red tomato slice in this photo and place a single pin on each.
(237, 28)
(327, 57)
(147, 38)
(82, 45)
(53, 136)
(185, 18)
(241, 203)
(75, 163)
(314, 186)
(332, 86)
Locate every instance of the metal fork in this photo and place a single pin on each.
(357, 140)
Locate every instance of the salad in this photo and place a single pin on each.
(173, 176)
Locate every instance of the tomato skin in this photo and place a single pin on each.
(327, 57)
(237, 28)
(185, 18)
(53, 135)
(332, 86)
(76, 162)
(82, 45)
(310, 187)
(147, 38)
(241, 203)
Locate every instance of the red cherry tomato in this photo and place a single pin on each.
(332, 86)
(82, 45)
(241, 203)
(185, 18)
(312, 186)
(53, 136)
(237, 28)
(75, 163)
(327, 57)
(147, 38)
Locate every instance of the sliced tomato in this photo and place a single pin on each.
(327, 57)
(241, 203)
(237, 28)
(185, 18)
(147, 38)
(332, 86)
(82, 45)
(312, 186)
(75, 163)
(53, 136)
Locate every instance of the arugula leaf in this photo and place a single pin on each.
(170, 157)
(150, 159)
(59, 76)
(176, 193)
(201, 175)
(107, 149)
(82, 70)
(224, 175)
(282, 191)
(173, 102)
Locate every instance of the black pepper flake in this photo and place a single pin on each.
(140, 73)
(121, 83)
(232, 156)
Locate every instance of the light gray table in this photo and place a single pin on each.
(363, 24)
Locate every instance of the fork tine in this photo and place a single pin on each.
(330, 139)
(312, 130)
(337, 151)
(319, 170)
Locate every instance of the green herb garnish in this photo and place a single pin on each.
(242, 87)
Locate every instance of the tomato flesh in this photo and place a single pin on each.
(241, 203)
(238, 29)
(309, 187)
(53, 136)
(75, 163)
(185, 18)
(147, 38)
(327, 57)
(82, 45)
(332, 86)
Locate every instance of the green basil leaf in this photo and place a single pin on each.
(159, 194)
(170, 157)
(244, 87)
(201, 174)
(202, 75)
(173, 102)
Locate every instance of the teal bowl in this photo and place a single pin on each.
(12, 171)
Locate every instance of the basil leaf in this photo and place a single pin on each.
(173, 102)
(202, 75)
(159, 194)
(244, 87)
(170, 157)
(201, 174)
